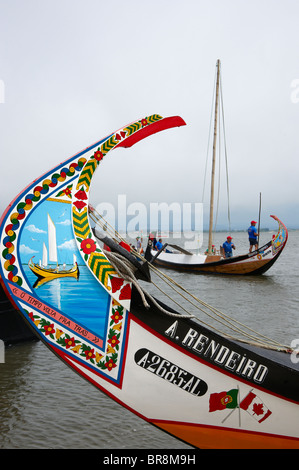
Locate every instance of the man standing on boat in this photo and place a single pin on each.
(253, 236)
(159, 244)
(228, 247)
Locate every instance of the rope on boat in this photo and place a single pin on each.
(126, 270)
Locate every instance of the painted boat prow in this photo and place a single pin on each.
(169, 370)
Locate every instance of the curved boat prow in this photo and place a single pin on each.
(279, 241)
(156, 126)
(121, 340)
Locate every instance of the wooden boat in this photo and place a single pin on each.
(254, 263)
(48, 274)
(209, 389)
(257, 262)
(43, 271)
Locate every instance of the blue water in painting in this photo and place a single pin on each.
(83, 300)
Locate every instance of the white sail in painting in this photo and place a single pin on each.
(45, 272)
(52, 240)
(45, 255)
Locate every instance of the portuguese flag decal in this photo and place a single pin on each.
(223, 400)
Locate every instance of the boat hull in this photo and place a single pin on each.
(44, 273)
(255, 263)
(174, 384)
(167, 369)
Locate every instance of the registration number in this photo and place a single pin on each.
(168, 371)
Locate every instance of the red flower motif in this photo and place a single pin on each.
(144, 122)
(125, 292)
(110, 364)
(30, 315)
(49, 329)
(89, 353)
(116, 317)
(113, 341)
(116, 283)
(88, 246)
(79, 205)
(67, 191)
(98, 155)
(81, 195)
(69, 342)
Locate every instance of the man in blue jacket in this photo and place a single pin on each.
(228, 247)
(253, 236)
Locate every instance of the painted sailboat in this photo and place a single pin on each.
(45, 272)
(208, 388)
(213, 261)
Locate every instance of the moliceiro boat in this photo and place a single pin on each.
(254, 263)
(207, 388)
(211, 262)
(48, 274)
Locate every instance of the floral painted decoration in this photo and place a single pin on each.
(106, 362)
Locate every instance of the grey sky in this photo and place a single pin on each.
(74, 71)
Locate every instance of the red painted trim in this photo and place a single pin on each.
(164, 123)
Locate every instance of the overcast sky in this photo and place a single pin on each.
(72, 71)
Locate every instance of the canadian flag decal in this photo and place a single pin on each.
(255, 407)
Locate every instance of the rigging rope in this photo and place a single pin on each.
(209, 139)
(225, 151)
(219, 180)
(125, 270)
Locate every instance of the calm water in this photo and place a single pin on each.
(46, 405)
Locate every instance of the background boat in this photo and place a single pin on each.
(214, 261)
(255, 263)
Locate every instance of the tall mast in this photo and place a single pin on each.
(214, 161)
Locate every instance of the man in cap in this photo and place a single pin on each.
(228, 247)
(253, 236)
